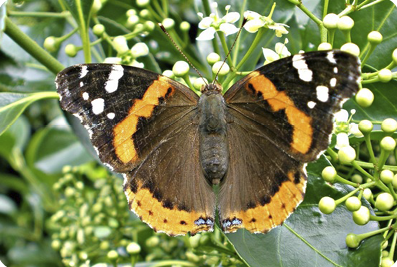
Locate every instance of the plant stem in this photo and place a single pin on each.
(63, 14)
(323, 30)
(32, 47)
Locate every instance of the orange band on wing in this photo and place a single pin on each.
(123, 143)
(262, 219)
(301, 123)
(163, 219)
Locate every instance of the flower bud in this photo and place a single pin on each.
(120, 44)
(168, 23)
(142, 3)
(351, 48)
(149, 26)
(144, 13)
(331, 21)
(71, 50)
(133, 248)
(394, 56)
(361, 216)
(324, 46)
(212, 58)
(389, 125)
(384, 201)
(357, 178)
(375, 37)
(386, 176)
(329, 174)
(353, 203)
(199, 83)
(346, 154)
(131, 12)
(112, 255)
(385, 75)
(216, 68)
(365, 97)
(327, 205)
(184, 26)
(180, 68)
(345, 23)
(139, 50)
(168, 73)
(51, 44)
(132, 21)
(352, 240)
(365, 126)
(388, 143)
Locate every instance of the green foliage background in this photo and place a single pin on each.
(52, 215)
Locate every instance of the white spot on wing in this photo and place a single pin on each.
(330, 57)
(83, 71)
(322, 93)
(332, 82)
(111, 115)
(335, 70)
(304, 72)
(86, 96)
(112, 83)
(81, 84)
(311, 104)
(98, 105)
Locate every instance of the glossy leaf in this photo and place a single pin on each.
(13, 104)
(309, 237)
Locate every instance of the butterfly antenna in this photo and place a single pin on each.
(231, 48)
(180, 51)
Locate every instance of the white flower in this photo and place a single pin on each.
(256, 21)
(281, 51)
(112, 60)
(353, 129)
(137, 64)
(214, 23)
(342, 140)
(139, 50)
(341, 116)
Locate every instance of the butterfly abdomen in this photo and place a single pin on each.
(214, 154)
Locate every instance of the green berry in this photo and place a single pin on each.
(324, 46)
(367, 193)
(96, 6)
(142, 3)
(365, 126)
(69, 191)
(389, 125)
(386, 176)
(56, 244)
(385, 75)
(112, 255)
(51, 44)
(144, 13)
(329, 174)
(153, 241)
(180, 68)
(353, 203)
(199, 83)
(184, 26)
(331, 21)
(365, 97)
(351, 48)
(132, 21)
(104, 245)
(384, 201)
(361, 216)
(357, 178)
(386, 262)
(345, 23)
(346, 154)
(212, 58)
(98, 29)
(133, 248)
(149, 26)
(388, 143)
(375, 37)
(216, 68)
(130, 12)
(327, 205)
(168, 23)
(352, 240)
(168, 73)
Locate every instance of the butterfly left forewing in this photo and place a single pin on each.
(283, 113)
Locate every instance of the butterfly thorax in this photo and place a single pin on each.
(214, 154)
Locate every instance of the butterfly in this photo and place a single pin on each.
(250, 144)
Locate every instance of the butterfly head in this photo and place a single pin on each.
(212, 88)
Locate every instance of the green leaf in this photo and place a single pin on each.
(309, 237)
(80, 10)
(2, 19)
(52, 148)
(13, 104)
(16, 137)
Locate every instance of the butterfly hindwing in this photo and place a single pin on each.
(143, 125)
(282, 113)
